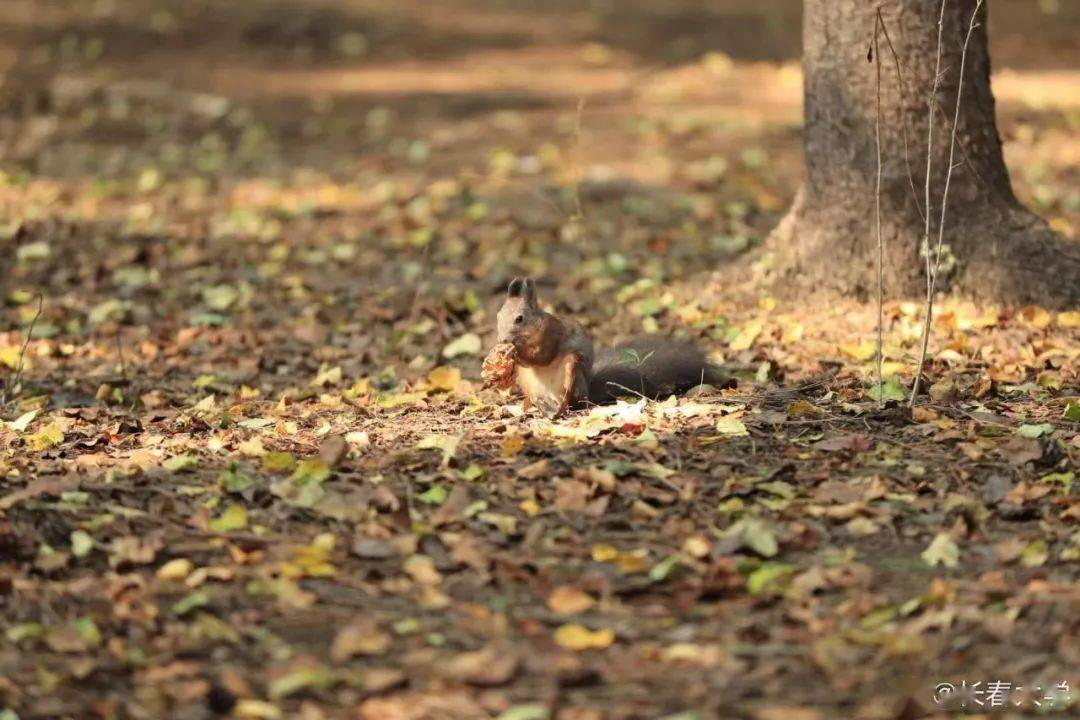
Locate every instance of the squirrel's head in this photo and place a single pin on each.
(520, 316)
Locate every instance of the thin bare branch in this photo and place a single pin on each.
(925, 244)
(877, 219)
(932, 279)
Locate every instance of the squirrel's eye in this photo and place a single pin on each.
(519, 319)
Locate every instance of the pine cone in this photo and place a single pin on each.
(498, 369)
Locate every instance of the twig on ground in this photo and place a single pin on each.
(12, 385)
(931, 279)
(632, 392)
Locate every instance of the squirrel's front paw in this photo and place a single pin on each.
(548, 407)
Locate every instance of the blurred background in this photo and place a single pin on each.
(331, 154)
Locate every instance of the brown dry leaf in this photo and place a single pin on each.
(1019, 451)
(487, 667)
(787, 712)
(571, 495)
(362, 637)
(568, 600)
(535, 471)
(333, 450)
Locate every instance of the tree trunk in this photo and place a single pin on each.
(995, 250)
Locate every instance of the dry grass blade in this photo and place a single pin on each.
(11, 387)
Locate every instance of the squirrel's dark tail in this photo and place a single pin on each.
(650, 366)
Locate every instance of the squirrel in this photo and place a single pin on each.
(551, 359)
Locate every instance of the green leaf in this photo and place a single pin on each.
(190, 602)
(530, 711)
(891, 390)
(1072, 411)
(435, 495)
(233, 480)
(220, 297)
(81, 543)
(309, 495)
(1035, 554)
(1034, 431)
(473, 472)
(233, 518)
(1065, 478)
(278, 462)
(312, 471)
(181, 463)
(89, 631)
(24, 631)
(758, 537)
(941, 551)
(770, 577)
(661, 570)
(318, 678)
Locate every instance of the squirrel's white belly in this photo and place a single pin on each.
(545, 385)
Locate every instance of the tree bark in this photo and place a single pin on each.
(995, 249)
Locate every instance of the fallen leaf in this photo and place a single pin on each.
(942, 551)
(359, 638)
(467, 344)
(568, 600)
(578, 637)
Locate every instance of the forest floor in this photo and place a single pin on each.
(246, 463)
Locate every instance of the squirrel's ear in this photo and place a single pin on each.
(529, 291)
(515, 288)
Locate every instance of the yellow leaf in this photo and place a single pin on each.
(632, 562)
(511, 445)
(802, 408)
(327, 376)
(9, 356)
(578, 637)
(313, 560)
(731, 426)
(257, 710)
(860, 351)
(252, 447)
(567, 600)
(1069, 319)
(176, 569)
(444, 378)
(1034, 316)
(604, 553)
(233, 518)
(394, 400)
(746, 337)
(45, 438)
